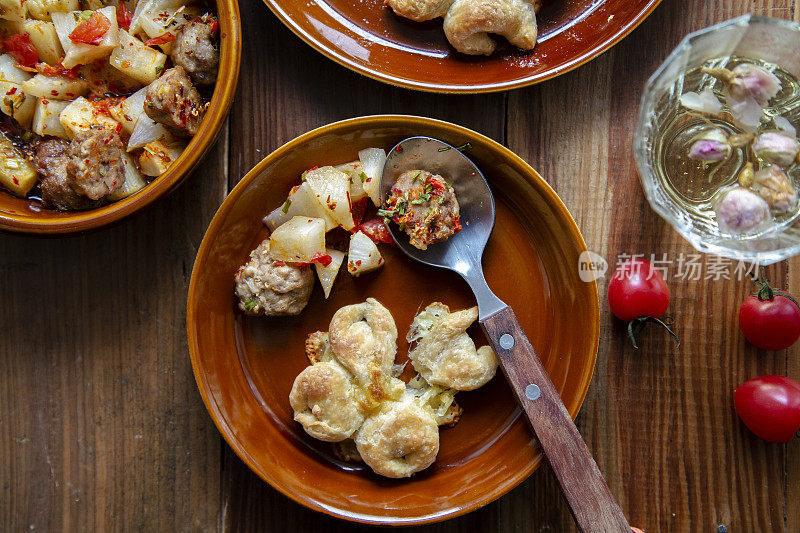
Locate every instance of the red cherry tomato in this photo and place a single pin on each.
(637, 290)
(91, 30)
(376, 230)
(20, 47)
(770, 319)
(638, 293)
(770, 407)
(359, 209)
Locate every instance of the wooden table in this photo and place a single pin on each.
(102, 427)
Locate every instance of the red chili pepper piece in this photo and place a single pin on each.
(124, 17)
(161, 39)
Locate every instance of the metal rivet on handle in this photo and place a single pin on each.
(532, 392)
(506, 341)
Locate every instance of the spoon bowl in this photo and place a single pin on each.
(590, 500)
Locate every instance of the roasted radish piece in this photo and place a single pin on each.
(332, 189)
(299, 240)
(302, 202)
(372, 160)
(355, 171)
(327, 272)
(363, 255)
(16, 173)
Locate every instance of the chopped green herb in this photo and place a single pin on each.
(415, 177)
(159, 70)
(464, 147)
(417, 202)
(286, 205)
(385, 213)
(303, 175)
(250, 304)
(363, 177)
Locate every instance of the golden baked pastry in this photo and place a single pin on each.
(350, 394)
(468, 23)
(401, 439)
(324, 403)
(363, 338)
(444, 353)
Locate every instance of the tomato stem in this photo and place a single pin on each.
(635, 325)
(767, 292)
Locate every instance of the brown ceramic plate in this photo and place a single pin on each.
(369, 38)
(245, 366)
(19, 214)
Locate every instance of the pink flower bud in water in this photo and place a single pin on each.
(741, 211)
(777, 148)
(753, 81)
(773, 185)
(710, 145)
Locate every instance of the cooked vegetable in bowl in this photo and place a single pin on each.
(99, 102)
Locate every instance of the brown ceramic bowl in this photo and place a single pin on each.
(367, 37)
(245, 366)
(21, 215)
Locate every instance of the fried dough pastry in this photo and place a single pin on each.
(363, 338)
(349, 396)
(444, 354)
(323, 401)
(401, 439)
(468, 23)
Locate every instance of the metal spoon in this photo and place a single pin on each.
(587, 494)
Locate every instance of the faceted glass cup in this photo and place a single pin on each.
(759, 38)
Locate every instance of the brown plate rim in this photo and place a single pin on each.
(221, 100)
(406, 83)
(534, 180)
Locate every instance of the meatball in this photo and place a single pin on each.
(50, 159)
(268, 287)
(194, 50)
(95, 162)
(79, 175)
(173, 101)
(424, 206)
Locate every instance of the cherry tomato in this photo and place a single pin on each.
(359, 209)
(638, 294)
(376, 230)
(770, 319)
(20, 47)
(770, 407)
(637, 290)
(91, 30)
(124, 17)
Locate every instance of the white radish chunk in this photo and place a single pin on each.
(372, 160)
(327, 274)
(363, 256)
(298, 240)
(332, 189)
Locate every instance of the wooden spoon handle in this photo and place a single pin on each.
(587, 494)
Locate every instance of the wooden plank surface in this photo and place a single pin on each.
(101, 426)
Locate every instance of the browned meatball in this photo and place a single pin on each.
(265, 286)
(95, 162)
(50, 160)
(424, 206)
(195, 51)
(173, 101)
